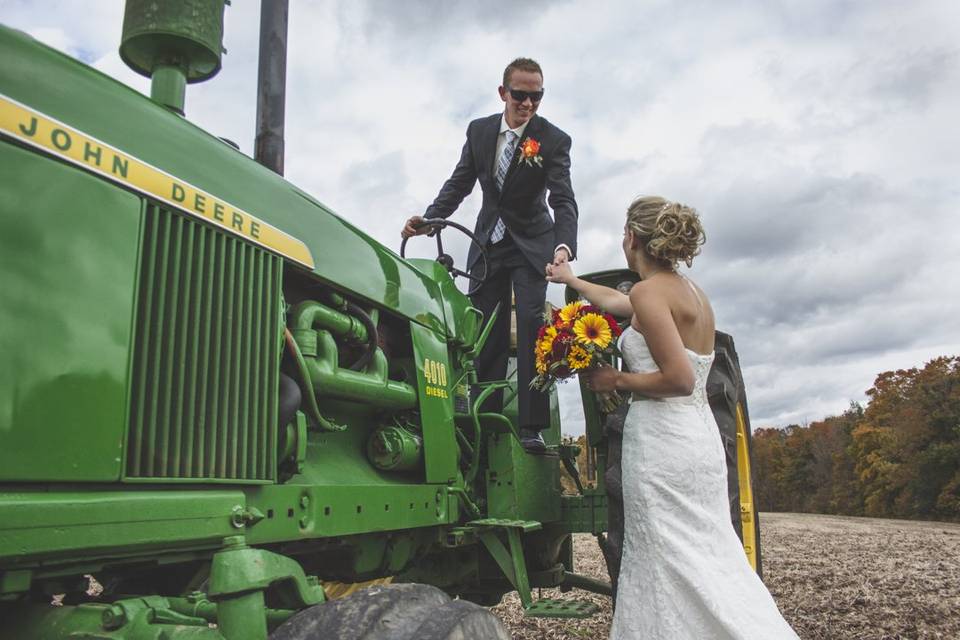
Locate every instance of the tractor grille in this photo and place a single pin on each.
(203, 402)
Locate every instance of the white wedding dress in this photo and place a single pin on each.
(684, 574)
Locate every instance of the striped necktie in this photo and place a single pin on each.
(503, 165)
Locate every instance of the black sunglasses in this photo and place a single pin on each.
(520, 96)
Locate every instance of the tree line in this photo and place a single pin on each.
(897, 456)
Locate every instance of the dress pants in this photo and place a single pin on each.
(509, 269)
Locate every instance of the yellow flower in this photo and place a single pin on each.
(541, 364)
(569, 312)
(545, 343)
(593, 329)
(578, 357)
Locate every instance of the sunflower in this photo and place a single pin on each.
(569, 312)
(593, 329)
(578, 358)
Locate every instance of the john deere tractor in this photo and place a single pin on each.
(227, 412)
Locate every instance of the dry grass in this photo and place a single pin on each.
(833, 578)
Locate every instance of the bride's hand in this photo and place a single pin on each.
(561, 273)
(602, 379)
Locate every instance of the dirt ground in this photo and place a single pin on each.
(833, 577)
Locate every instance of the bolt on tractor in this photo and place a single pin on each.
(227, 412)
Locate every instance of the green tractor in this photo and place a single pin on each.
(226, 412)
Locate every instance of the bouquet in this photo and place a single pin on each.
(574, 339)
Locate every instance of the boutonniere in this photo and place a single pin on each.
(530, 153)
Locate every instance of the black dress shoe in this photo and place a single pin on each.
(532, 441)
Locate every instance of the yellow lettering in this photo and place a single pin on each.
(218, 211)
(199, 203)
(237, 221)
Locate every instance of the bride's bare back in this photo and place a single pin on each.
(689, 309)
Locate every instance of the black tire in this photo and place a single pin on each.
(725, 390)
(382, 612)
(611, 544)
(484, 599)
(461, 620)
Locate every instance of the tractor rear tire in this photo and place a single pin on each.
(727, 396)
(382, 612)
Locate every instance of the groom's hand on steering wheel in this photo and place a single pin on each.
(412, 228)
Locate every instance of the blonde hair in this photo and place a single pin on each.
(669, 232)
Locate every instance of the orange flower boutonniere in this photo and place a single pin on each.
(530, 153)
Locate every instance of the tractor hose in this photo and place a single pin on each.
(372, 337)
(307, 387)
(290, 398)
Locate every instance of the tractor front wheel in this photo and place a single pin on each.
(395, 612)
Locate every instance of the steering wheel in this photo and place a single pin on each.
(438, 225)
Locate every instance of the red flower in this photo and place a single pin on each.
(614, 325)
(561, 345)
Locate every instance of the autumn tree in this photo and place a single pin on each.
(897, 457)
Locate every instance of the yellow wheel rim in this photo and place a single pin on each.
(748, 517)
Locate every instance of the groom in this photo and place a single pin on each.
(517, 157)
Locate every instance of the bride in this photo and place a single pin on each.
(684, 574)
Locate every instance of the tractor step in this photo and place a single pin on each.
(551, 608)
(523, 525)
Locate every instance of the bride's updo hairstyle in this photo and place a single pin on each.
(669, 232)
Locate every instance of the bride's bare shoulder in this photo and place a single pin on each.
(648, 294)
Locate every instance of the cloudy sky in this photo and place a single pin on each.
(819, 141)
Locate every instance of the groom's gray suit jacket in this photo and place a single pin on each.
(523, 201)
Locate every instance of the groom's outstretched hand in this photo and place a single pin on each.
(561, 256)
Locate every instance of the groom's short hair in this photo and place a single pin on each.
(521, 64)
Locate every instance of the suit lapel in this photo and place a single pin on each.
(488, 144)
(532, 131)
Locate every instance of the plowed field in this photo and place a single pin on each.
(833, 577)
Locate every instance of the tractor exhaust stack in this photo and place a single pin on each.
(271, 84)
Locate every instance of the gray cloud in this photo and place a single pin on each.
(401, 21)
(818, 141)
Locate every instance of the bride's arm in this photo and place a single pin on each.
(675, 376)
(598, 295)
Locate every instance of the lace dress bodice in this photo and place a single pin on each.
(637, 356)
